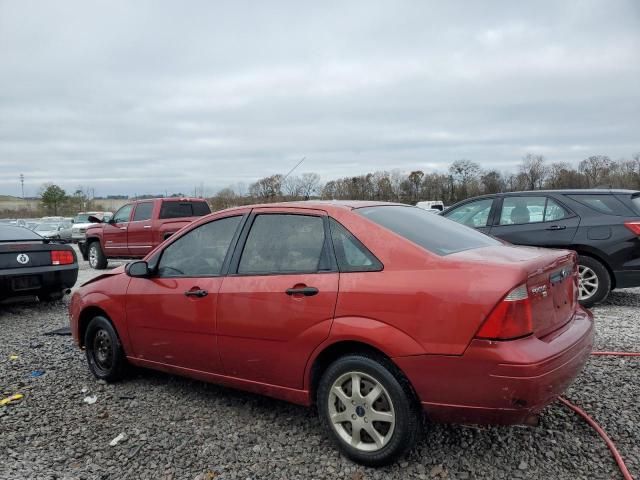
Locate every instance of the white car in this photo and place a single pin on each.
(81, 223)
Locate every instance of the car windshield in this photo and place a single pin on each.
(83, 218)
(432, 232)
(45, 227)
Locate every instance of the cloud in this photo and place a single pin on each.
(152, 96)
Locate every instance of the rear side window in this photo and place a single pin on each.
(280, 243)
(521, 210)
(184, 209)
(143, 211)
(608, 204)
(351, 254)
(432, 232)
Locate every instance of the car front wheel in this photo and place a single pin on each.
(103, 349)
(368, 409)
(594, 282)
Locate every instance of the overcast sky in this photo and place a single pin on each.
(147, 96)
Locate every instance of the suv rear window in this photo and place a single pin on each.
(432, 232)
(635, 202)
(184, 209)
(604, 203)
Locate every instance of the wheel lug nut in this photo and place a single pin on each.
(353, 416)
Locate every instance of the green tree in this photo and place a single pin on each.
(52, 197)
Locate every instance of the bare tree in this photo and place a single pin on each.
(533, 171)
(309, 185)
(596, 169)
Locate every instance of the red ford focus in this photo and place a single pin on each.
(376, 313)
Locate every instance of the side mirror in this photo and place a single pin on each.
(94, 219)
(137, 269)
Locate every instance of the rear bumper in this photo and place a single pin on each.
(506, 382)
(42, 279)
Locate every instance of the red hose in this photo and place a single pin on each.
(614, 451)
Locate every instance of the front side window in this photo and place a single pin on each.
(351, 254)
(431, 232)
(282, 243)
(123, 214)
(472, 214)
(201, 252)
(143, 211)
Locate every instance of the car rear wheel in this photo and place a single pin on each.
(594, 282)
(103, 349)
(368, 409)
(96, 256)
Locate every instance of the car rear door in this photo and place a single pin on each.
(537, 220)
(278, 301)
(140, 231)
(114, 233)
(171, 316)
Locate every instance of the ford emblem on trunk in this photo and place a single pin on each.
(23, 258)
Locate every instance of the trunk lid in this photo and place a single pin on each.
(551, 277)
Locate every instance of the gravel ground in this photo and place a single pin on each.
(177, 428)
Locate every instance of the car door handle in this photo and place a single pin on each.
(123, 228)
(557, 227)
(196, 293)
(306, 291)
(147, 226)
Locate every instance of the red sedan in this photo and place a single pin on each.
(375, 312)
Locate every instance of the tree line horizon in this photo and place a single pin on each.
(463, 179)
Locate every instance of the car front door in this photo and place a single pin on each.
(475, 214)
(114, 233)
(536, 220)
(277, 303)
(139, 233)
(171, 316)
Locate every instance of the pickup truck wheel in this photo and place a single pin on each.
(97, 259)
(104, 351)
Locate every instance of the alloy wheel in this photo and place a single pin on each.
(93, 256)
(588, 282)
(361, 411)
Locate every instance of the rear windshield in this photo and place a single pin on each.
(184, 209)
(432, 232)
(603, 203)
(635, 202)
(10, 233)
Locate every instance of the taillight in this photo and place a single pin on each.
(511, 318)
(633, 226)
(61, 257)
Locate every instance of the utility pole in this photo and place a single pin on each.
(22, 184)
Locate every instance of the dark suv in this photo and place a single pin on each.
(603, 226)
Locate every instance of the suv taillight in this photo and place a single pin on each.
(633, 226)
(510, 319)
(61, 257)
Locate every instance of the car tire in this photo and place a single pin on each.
(97, 259)
(104, 351)
(51, 296)
(595, 281)
(395, 405)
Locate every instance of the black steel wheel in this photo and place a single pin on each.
(105, 355)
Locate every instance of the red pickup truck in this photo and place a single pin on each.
(138, 227)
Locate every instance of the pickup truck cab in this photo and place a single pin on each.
(138, 227)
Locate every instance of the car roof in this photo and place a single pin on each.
(570, 191)
(328, 205)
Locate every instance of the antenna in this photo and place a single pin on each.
(297, 165)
